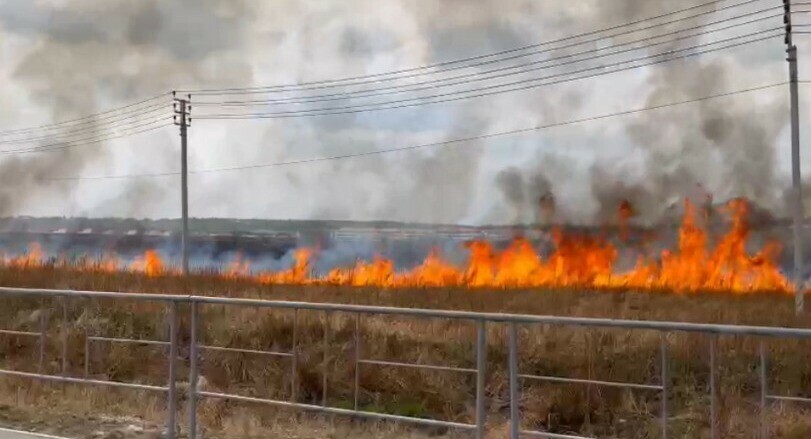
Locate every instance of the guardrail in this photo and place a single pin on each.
(481, 320)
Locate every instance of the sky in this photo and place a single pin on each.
(63, 59)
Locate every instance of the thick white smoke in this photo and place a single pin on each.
(63, 59)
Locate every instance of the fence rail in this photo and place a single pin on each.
(480, 320)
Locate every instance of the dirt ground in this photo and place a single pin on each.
(64, 419)
(61, 423)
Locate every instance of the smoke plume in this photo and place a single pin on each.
(79, 57)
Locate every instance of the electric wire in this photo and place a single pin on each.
(434, 144)
(373, 78)
(95, 128)
(517, 85)
(136, 129)
(478, 76)
(95, 116)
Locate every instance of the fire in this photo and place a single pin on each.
(150, 264)
(297, 274)
(582, 261)
(238, 268)
(32, 258)
(697, 263)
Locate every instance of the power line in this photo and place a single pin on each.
(97, 116)
(89, 140)
(404, 103)
(83, 118)
(115, 117)
(94, 128)
(371, 78)
(116, 177)
(432, 144)
(597, 39)
(478, 76)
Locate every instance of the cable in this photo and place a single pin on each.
(87, 141)
(338, 82)
(351, 109)
(433, 84)
(115, 177)
(92, 116)
(92, 120)
(322, 111)
(346, 95)
(538, 52)
(433, 144)
(96, 128)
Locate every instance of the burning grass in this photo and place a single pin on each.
(699, 261)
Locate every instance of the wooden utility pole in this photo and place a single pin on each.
(796, 176)
(183, 119)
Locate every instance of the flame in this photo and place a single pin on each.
(579, 261)
(238, 268)
(583, 261)
(297, 274)
(150, 264)
(33, 257)
(108, 263)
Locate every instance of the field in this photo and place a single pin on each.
(612, 355)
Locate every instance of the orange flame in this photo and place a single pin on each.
(34, 257)
(238, 268)
(580, 261)
(297, 274)
(150, 264)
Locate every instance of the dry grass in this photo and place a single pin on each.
(614, 355)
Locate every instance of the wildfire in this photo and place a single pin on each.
(238, 268)
(696, 263)
(151, 264)
(32, 258)
(297, 274)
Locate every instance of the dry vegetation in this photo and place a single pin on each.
(607, 355)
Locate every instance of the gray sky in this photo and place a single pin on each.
(62, 59)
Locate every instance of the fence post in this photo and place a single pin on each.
(664, 385)
(294, 359)
(64, 339)
(326, 358)
(43, 329)
(86, 354)
(763, 391)
(713, 390)
(481, 372)
(172, 396)
(357, 359)
(515, 429)
(193, 371)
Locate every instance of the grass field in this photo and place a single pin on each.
(613, 355)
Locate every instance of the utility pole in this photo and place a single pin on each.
(183, 119)
(796, 179)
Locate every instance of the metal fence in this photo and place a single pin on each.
(511, 322)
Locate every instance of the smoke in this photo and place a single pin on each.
(727, 146)
(89, 56)
(530, 193)
(85, 56)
